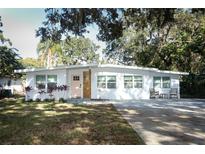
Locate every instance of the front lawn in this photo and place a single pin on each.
(63, 123)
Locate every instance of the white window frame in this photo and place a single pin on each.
(134, 81)
(168, 80)
(137, 81)
(115, 82)
(161, 82)
(128, 82)
(51, 82)
(45, 82)
(101, 82)
(106, 81)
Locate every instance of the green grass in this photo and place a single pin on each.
(63, 123)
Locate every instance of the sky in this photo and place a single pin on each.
(19, 25)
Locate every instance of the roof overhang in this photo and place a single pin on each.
(99, 66)
(172, 72)
(55, 68)
(144, 68)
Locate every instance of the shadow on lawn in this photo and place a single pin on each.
(61, 123)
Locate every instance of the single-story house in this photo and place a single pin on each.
(99, 81)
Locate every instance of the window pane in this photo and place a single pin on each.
(157, 79)
(76, 78)
(166, 82)
(111, 81)
(138, 78)
(101, 85)
(111, 85)
(52, 85)
(166, 79)
(138, 82)
(40, 81)
(128, 85)
(111, 78)
(101, 81)
(101, 78)
(52, 78)
(128, 78)
(40, 78)
(128, 81)
(157, 82)
(52, 81)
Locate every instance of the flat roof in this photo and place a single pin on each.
(98, 66)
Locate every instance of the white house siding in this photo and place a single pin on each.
(174, 81)
(61, 80)
(120, 92)
(64, 78)
(128, 93)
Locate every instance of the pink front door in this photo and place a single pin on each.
(75, 86)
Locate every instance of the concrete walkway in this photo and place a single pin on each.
(166, 121)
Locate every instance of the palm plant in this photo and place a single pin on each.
(49, 53)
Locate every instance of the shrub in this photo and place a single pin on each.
(41, 86)
(29, 100)
(21, 100)
(49, 100)
(52, 100)
(17, 95)
(46, 100)
(38, 100)
(41, 92)
(192, 86)
(62, 100)
(62, 88)
(28, 88)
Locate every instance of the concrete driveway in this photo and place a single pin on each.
(166, 121)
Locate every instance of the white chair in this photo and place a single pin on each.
(153, 93)
(173, 93)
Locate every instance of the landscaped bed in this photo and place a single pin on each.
(63, 123)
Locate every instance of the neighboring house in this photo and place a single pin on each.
(16, 86)
(95, 81)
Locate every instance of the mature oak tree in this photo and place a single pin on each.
(64, 22)
(162, 38)
(78, 50)
(177, 45)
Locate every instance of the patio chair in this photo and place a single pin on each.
(164, 95)
(153, 93)
(173, 93)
